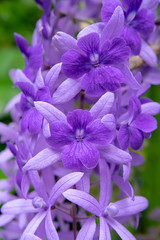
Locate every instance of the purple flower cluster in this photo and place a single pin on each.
(78, 121)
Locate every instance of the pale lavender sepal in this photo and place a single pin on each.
(148, 55)
(39, 82)
(84, 183)
(5, 219)
(122, 231)
(104, 232)
(96, 27)
(130, 80)
(52, 76)
(114, 27)
(5, 155)
(49, 112)
(18, 206)
(25, 185)
(33, 224)
(103, 106)
(88, 229)
(109, 121)
(137, 159)
(124, 186)
(150, 4)
(42, 160)
(63, 93)
(115, 155)
(12, 103)
(84, 200)
(63, 42)
(152, 108)
(151, 75)
(62, 185)
(51, 232)
(126, 171)
(30, 236)
(128, 207)
(105, 183)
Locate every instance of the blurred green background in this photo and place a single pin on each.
(20, 16)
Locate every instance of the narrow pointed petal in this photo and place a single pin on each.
(51, 232)
(52, 76)
(130, 80)
(30, 236)
(42, 160)
(115, 155)
(5, 219)
(115, 25)
(63, 184)
(18, 206)
(63, 93)
(105, 184)
(148, 55)
(108, 9)
(49, 112)
(84, 200)
(125, 186)
(63, 42)
(84, 183)
(22, 44)
(88, 229)
(103, 105)
(121, 231)
(96, 27)
(33, 224)
(104, 230)
(129, 207)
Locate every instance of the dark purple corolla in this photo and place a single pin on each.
(139, 21)
(80, 135)
(96, 63)
(138, 126)
(31, 119)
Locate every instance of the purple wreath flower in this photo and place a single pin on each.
(96, 63)
(80, 135)
(139, 21)
(138, 126)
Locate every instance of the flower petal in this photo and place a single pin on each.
(145, 123)
(42, 160)
(79, 118)
(102, 79)
(129, 206)
(123, 136)
(103, 105)
(51, 232)
(97, 133)
(74, 64)
(63, 93)
(88, 229)
(89, 43)
(62, 185)
(49, 112)
(18, 206)
(84, 200)
(136, 138)
(115, 155)
(108, 9)
(122, 231)
(104, 230)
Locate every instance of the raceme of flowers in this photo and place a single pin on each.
(78, 121)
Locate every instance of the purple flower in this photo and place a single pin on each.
(96, 63)
(137, 126)
(80, 135)
(139, 21)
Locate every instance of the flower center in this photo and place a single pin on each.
(94, 58)
(111, 210)
(79, 135)
(38, 202)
